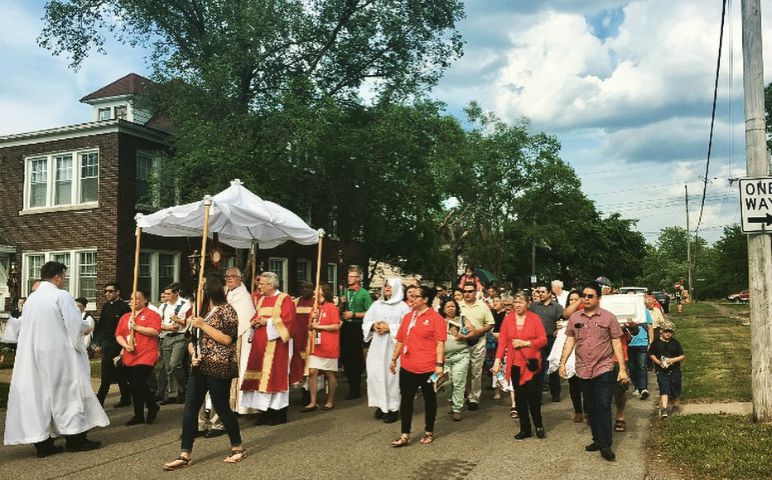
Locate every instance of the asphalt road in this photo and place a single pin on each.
(347, 443)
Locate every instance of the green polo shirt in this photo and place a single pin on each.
(478, 314)
(358, 301)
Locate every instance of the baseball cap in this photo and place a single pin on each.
(603, 281)
(668, 326)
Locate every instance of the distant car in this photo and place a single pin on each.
(636, 290)
(664, 299)
(739, 297)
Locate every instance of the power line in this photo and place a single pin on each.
(713, 115)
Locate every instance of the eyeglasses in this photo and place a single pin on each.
(588, 295)
(468, 291)
(231, 276)
(107, 290)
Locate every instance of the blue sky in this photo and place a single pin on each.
(626, 86)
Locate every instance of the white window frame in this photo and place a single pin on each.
(309, 270)
(75, 190)
(108, 110)
(155, 275)
(73, 270)
(283, 278)
(334, 281)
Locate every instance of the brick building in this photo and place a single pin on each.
(70, 194)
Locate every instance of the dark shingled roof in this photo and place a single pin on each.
(131, 84)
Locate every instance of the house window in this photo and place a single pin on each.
(81, 271)
(62, 179)
(304, 270)
(34, 264)
(157, 270)
(63, 185)
(332, 275)
(120, 112)
(87, 268)
(154, 190)
(279, 267)
(38, 168)
(89, 177)
(105, 114)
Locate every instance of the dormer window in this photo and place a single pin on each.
(120, 112)
(105, 114)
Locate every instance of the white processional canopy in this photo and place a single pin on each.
(238, 216)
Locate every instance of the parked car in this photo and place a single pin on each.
(664, 299)
(739, 297)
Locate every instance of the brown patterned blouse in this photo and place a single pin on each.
(218, 360)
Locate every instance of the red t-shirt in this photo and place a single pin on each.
(329, 346)
(419, 342)
(146, 349)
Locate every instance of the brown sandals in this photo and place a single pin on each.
(427, 439)
(402, 441)
(236, 456)
(177, 463)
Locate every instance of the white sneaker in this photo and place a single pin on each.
(644, 394)
(663, 413)
(636, 392)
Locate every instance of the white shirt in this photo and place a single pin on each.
(167, 310)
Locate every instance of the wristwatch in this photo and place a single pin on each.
(439, 364)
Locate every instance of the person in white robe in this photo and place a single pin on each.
(241, 301)
(51, 392)
(380, 326)
(88, 321)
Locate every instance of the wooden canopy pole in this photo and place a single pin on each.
(310, 341)
(131, 338)
(253, 253)
(202, 265)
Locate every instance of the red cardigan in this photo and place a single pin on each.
(533, 330)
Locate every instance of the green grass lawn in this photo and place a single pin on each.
(718, 355)
(715, 446)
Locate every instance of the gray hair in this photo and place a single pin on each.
(235, 270)
(271, 278)
(557, 283)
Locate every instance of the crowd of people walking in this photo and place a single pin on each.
(234, 353)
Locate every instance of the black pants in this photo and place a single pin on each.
(112, 374)
(195, 393)
(141, 396)
(527, 400)
(351, 338)
(409, 383)
(597, 393)
(575, 390)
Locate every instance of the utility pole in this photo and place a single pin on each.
(688, 246)
(759, 244)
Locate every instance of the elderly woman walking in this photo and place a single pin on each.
(521, 339)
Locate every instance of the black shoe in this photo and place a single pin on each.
(152, 413)
(391, 417)
(122, 403)
(523, 435)
(306, 397)
(379, 414)
(158, 399)
(84, 446)
(262, 418)
(181, 400)
(47, 448)
(168, 401)
(540, 432)
(473, 406)
(280, 416)
(593, 447)
(215, 432)
(199, 433)
(135, 421)
(607, 454)
(556, 398)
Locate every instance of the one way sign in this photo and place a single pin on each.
(756, 204)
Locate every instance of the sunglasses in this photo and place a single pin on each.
(589, 295)
(469, 291)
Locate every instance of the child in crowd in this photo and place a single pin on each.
(667, 355)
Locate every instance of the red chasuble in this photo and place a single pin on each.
(268, 365)
(303, 308)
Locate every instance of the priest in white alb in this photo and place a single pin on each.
(241, 301)
(380, 325)
(51, 392)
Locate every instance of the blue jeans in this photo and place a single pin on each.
(219, 391)
(636, 365)
(597, 393)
